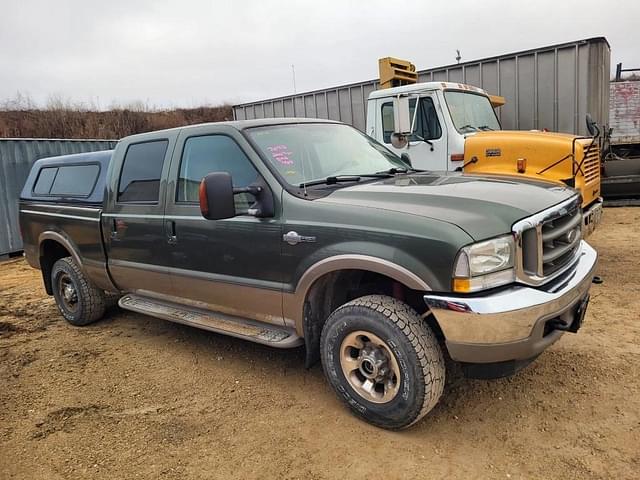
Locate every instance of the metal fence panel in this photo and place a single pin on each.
(551, 87)
(16, 157)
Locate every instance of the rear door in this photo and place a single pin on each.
(133, 225)
(233, 265)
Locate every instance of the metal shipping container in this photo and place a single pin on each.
(551, 87)
(16, 157)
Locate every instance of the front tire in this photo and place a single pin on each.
(79, 301)
(383, 361)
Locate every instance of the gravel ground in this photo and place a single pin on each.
(136, 397)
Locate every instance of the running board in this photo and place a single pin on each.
(279, 337)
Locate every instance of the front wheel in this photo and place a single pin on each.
(383, 361)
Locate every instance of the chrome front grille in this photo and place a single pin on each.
(591, 164)
(548, 243)
(560, 239)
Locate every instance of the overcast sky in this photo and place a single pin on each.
(192, 52)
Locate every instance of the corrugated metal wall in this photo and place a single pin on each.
(16, 157)
(550, 87)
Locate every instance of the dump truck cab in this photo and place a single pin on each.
(448, 126)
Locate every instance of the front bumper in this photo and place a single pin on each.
(510, 324)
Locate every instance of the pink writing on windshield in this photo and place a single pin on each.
(280, 154)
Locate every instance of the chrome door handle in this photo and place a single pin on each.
(114, 230)
(172, 238)
(292, 238)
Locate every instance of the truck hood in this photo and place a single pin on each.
(546, 155)
(483, 206)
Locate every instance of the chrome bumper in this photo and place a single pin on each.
(592, 217)
(510, 324)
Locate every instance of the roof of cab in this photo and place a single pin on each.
(425, 87)
(240, 124)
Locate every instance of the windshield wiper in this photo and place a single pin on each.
(485, 127)
(396, 170)
(468, 126)
(331, 180)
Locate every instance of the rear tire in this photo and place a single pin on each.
(79, 301)
(383, 361)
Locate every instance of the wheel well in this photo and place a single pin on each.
(339, 287)
(50, 252)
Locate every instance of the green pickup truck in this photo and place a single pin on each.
(295, 232)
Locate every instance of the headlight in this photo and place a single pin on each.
(484, 265)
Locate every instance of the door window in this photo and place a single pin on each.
(141, 172)
(427, 125)
(214, 153)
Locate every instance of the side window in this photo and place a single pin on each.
(63, 181)
(141, 172)
(214, 153)
(75, 181)
(427, 125)
(45, 180)
(387, 121)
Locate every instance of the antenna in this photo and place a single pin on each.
(293, 71)
(458, 56)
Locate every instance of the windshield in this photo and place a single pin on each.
(306, 152)
(470, 112)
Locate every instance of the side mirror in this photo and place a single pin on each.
(401, 122)
(216, 196)
(592, 126)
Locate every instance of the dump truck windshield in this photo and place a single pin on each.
(470, 112)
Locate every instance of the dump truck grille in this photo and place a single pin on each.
(548, 243)
(591, 164)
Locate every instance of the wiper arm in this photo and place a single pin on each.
(331, 180)
(485, 127)
(396, 170)
(468, 126)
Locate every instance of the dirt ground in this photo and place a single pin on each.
(137, 397)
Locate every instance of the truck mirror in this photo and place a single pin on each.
(592, 126)
(216, 196)
(402, 121)
(401, 115)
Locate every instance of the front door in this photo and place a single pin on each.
(427, 148)
(232, 265)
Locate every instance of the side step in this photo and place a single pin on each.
(280, 337)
